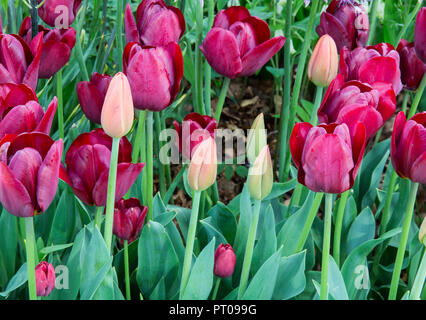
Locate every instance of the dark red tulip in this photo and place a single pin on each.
(346, 22)
(193, 130)
(412, 68)
(379, 63)
(408, 149)
(19, 61)
(355, 101)
(224, 261)
(20, 111)
(57, 46)
(154, 73)
(129, 216)
(59, 13)
(327, 157)
(420, 34)
(87, 167)
(92, 95)
(239, 44)
(29, 173)
(45, 279)
(156, 23)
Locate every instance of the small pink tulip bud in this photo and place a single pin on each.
(45, 279)
(261, 178)
(224, 261)
(422, 232)
(202, 170)
(323, 65)
(117, 112)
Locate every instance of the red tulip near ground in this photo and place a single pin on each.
(327, 157)
(347, 24)
(59, 13)
(239, 44)
(129, 216)
(45, 279)
(420, 34)
(87, 167)
(156, 23)
(56, 49)
(412, 68)
(29, 173)
(408, 148)
(224, 261)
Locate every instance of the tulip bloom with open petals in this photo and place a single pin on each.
(412, 68)
(129, 216)
(59, 13)
(326, 156)
(91, 95)
(239, 44)
(156, 23)
(87, 167)
(224, 261)
(194, 129)
(29, 173)
(379, 63)
(20, 111)
(353, 101)
(45, 279)
(347, 23)
(56, 50)
(20, 62)
(420, 34)
(154, 73)
(408, 148)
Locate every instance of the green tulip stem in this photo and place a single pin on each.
(373, 21)
(317, 103)
(199, 60)
(162, 169)
(216, 288)
(222, 96)
(149, 191)
(417, 97)
(60, 104)
(248, 255)
(79, 50)
(98, 216)
(326, 246)
(403, 241)
(309, 221)
(112, 178)
(190, 242)
(419, 281)
(338, 226)
(126, 269)
(119, 33)
(207, 68)
(139, 137)
(30, 248)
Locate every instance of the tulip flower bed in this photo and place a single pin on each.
(123, 124)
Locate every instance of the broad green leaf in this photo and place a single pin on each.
(223, 219)
(20, 278)
(361, 230)
(291, 279)
(278, 189)
(8, 246)
(64, 220)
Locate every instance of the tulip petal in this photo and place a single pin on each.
(46, 122)
(225, 18)
(91, 101)
(19, 94)
(418, 169)
(359, 141)
(31, 76)
(36, 140)
(54, 56)
(332, 26)
(398, 127)
(20, 119)
(132, 33)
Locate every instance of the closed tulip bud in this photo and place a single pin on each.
(412, 68)
(261, 177)
(129, 216)
(45, 279)
(422, 232)
(202, 170)
(117, 112)
(420, 34)
(256, 140)
(324, 62)
(224, 261)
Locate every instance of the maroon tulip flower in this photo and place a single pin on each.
(20, 111)
(154, 73)
(92, 95)
(412, 68)
(45, 279)
(239, 44)
(224, 261)
(57, 46)
(327, 157)
(346, 22)
(19, 62)
(195, 129)
(408, 149)
(157, 24)
(87, 167)
(129, 216)
(379, 63)
(420, 34)
(59, 13)
(355, 101)
(29, 173)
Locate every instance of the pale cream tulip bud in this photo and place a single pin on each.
(257, 138)
(202, 169)
(117, 112)
(261, 177)
(324, 62)
(422, 232)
